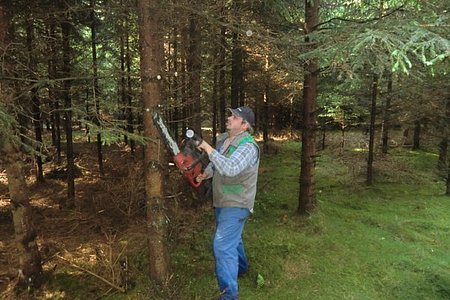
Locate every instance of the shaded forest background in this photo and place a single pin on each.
(79, 76)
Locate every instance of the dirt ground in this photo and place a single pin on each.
(108, 223)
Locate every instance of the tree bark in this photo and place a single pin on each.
(386, 118)
(130, 117)
(307, 198)
(193, 69)
(70, 201)
(444, 150)
(52, 94)
(96, 87)
(30, 266)
(369, 179)
(123, 84)
(176, 82)
(416, 136)
(36, 103)
(447, 133)
(215, 115)
(444, 162)
(151, 51)
(265, 105)
(221, 79)
(237, 73)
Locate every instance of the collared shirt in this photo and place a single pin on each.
(244, 156)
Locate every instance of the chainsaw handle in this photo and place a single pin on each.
(190, 134)
(193, 182)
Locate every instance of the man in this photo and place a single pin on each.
(234, 168)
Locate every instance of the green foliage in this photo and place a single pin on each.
(369, 42)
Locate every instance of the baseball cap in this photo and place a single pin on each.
(245, 113)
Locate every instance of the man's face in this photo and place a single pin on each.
(235, 123)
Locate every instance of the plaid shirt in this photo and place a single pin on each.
(244, 156)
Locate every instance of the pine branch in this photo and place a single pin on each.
(360, 21)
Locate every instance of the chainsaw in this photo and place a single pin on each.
(189, 160)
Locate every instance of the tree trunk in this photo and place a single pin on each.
(237, 60)
(447, 133)
(176, 82)
(52, 94)
(70, 201)
(307, 198)
(324, 133)
(447, 190)
(416, 137)
(265, 105)
(123, 84)
(36, 104)
(215, 114)
(237, 77)
(221, 79)
(96, 87)
(130, 117)
(386, 116)
(444, 161)
(185, 111)
(151, 50)
(444, 150)
(265, 115)
(193, 69)
(369, 179)
(29, 267)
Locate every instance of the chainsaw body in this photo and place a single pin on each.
(189, 161)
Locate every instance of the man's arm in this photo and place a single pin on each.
(244, 156)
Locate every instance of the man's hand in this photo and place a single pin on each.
(205, 147)
(202, 177)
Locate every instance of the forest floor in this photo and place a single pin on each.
(92, 242)
(387, 241)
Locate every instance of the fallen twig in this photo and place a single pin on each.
(92, 273)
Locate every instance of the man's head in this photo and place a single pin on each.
(241, 119)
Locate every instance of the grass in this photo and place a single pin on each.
(388, 241)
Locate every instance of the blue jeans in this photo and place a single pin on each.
(228, 249)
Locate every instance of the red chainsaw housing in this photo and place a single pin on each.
(190, 167)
